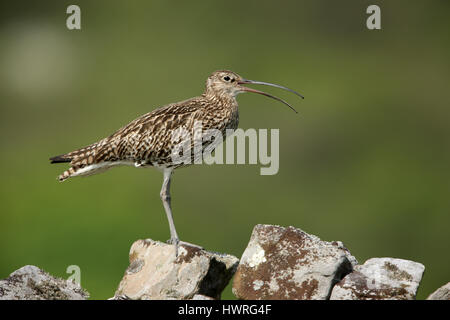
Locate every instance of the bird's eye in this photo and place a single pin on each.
(227, 78)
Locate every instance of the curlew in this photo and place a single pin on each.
(148, 140)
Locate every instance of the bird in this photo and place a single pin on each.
(147, 141)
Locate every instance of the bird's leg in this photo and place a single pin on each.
(165, 197)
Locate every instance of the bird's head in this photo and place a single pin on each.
(225, 84)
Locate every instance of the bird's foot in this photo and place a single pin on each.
(191, 245)
(176, 242)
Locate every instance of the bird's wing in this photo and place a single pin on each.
(142, 140)
(147, 135)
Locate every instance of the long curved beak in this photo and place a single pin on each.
(246, 81)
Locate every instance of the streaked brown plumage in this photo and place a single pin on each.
(147, 141)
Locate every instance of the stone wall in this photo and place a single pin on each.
(278, 263)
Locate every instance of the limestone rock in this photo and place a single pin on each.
(443, 293)
(288, 263)
(155, 273)
(381, 279)
(32, 283)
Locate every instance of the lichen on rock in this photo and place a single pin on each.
(381, 279)
(288, 263)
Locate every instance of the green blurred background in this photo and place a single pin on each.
(366, 162)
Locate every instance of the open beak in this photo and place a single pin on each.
(245, 81)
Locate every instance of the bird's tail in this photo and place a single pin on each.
(67, 174)
(78, 159)
(60, 159)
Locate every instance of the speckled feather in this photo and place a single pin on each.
(147, 141)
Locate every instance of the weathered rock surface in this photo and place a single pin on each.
(32, 283)
(381, 279)
(443, 293)
(155, 273)
(288, 263)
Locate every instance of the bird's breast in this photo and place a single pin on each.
(222, 117)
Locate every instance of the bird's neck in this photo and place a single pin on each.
(223, 109)
(220, 99)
